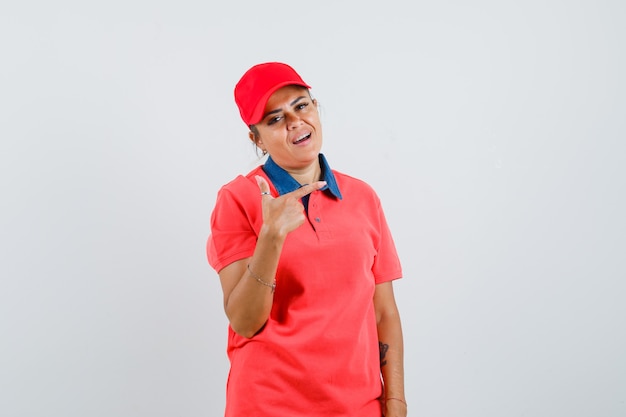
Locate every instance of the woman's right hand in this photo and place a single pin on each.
(284, 214)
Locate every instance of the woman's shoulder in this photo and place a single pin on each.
(243, 183)
(354, 184)
(242, 190)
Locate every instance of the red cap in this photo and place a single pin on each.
(258, 84)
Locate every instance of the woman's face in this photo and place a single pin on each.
(290, 130)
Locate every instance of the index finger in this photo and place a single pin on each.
(307, 189)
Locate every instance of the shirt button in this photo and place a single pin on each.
(317, 219)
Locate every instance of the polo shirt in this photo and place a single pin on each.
(318, 353)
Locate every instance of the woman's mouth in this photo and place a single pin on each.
(302, 138)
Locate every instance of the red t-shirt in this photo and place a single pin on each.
(318, 354)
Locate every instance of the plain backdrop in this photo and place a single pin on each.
(493, 132)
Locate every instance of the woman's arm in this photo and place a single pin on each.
(391, 350)
(247, 283)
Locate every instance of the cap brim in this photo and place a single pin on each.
(259, 109)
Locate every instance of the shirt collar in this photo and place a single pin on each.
(285, 183)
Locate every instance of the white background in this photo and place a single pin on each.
(493, 132)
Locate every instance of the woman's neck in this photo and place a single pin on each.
(307, 175)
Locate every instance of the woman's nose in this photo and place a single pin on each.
(293, 120)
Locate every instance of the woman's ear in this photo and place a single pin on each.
(317, 106)
(256, 140)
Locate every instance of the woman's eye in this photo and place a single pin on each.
(301, 106)
(274, 120)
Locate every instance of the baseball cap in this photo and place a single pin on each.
(257, 85)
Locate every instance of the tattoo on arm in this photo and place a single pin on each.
(383, 347)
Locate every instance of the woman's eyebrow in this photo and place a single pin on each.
(270, 112)
(279, 110)
(296, 100)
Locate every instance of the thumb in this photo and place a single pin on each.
(264, 187)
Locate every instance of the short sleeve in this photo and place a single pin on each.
(386, 265)
(234, 224)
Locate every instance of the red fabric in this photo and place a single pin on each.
(318, 353)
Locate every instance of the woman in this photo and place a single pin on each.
(306, 263)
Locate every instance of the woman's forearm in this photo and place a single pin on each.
(249, 303)
(391, 346)
(391, 356)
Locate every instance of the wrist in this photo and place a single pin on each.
(272, 235)
(397, 400)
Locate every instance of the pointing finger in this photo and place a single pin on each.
(307, 189)
(263, 185)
